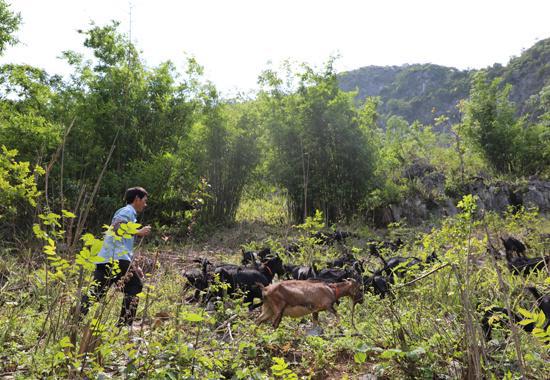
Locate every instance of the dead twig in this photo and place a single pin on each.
(421, 277)
(225, 323)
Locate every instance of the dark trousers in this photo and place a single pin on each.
(104, 277)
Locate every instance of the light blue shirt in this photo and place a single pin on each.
(119, 249)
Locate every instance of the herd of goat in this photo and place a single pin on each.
(308, 289)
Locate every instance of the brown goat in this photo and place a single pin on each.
(296, 298)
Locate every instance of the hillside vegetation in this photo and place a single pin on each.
(424, 92)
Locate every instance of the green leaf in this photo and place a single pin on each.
(416, 353)
(390, 353)
(38, 232)
(360, 357)
(192, 317)
(65, 342)
(540, 318)
(525, 313)
(68, 214)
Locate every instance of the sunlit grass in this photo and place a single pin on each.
(270, 210)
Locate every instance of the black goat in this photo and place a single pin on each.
(488, 328)
(379, 285)
(375, 247)
(200, 279)
(265, 254)
(339, 274)
(247, 279)
(432, 258)
(329, 238)
(249, 258)
(523, 265)
(300, 272)
(292, 248)
(340, 262)
(543, 303)
(512, 244)
(399, 265)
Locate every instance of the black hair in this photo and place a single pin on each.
(134, 192)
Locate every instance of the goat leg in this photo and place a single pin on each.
(316, 317)
(279, 317)
(332, 310)
(266, 314)
(193, 298)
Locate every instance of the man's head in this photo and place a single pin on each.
(137, 197)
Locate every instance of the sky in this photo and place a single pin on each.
(235, 40)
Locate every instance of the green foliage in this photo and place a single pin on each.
(145, 113)
(224, 145)
(492, 126)
(468, 206)
(271, 209)
(88, 255)
(507, 144)
(280, 370)
(9, 24)
(18, 189)
(320, 153)
(50, 232)
(539, 319)
(313, 223)
(423, 92)
(420, 336)
(413, 92)
(25, 119)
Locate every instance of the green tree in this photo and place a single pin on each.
(9, 24)
(509, 144)
(26, 94)
(492, 125)
(224, 145)
(129, 117)
(321, 154)
(18, 192)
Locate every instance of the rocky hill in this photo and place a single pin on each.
(422, 92)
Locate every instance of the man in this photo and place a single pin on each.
(116, 266)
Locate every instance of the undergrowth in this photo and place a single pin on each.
(431, 329)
